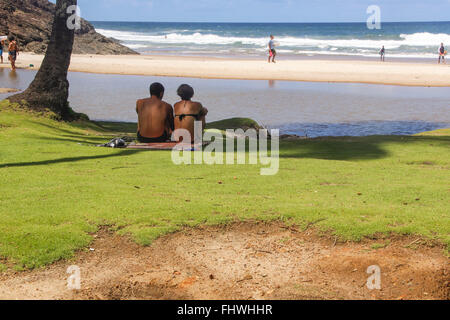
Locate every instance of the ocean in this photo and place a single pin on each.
(402, 40)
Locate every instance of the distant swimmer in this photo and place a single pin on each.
(382, 53)
(272, 51)
(442, 53)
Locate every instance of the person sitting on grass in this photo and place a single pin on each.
(155, 117)
(187, 112)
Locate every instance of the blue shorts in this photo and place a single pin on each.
(1, 52)
(13, 55)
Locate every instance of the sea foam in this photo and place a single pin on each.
(418, 45)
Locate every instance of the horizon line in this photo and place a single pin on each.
(237, 22)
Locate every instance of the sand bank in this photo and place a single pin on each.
(375, 72)
(8, 90)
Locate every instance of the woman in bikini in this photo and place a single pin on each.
(187, 112)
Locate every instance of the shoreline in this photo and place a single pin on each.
(308, 70)
(294, 57)
(8, 90)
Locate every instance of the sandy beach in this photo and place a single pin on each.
(7, 90)
(353, 71)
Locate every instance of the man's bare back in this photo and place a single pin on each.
(155, 118)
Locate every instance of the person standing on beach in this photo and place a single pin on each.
(13, 52)
(441, 53)
(2, 44)
(272, 51)
(382, 53)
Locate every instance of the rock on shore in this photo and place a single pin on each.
(31, 22)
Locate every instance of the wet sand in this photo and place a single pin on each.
(350, 71)
(8, 90)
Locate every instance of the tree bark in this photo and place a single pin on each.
(50, 87)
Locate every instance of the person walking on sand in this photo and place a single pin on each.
(382, 53)
(442, 53)
(272, 51)
(13, 52)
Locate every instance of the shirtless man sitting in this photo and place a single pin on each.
(187, 112)
(155, 116)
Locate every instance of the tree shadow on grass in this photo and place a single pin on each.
(122, 127)
(89, 140)
(55, 128)
(352, 148)
(101, 128)
(122, 153)
(67, 135)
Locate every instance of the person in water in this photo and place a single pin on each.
(272, 51)
(155, 117)
(441, 53)
(13, 52)
(383, 53)
(187, 112)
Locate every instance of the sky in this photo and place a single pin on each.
(262, 10)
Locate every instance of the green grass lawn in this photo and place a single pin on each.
(56, 188)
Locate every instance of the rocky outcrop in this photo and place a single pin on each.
(31, 22)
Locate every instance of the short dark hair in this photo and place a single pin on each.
(186, 92)
(156, 89)
(11, 38)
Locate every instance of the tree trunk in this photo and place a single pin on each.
(50, 87)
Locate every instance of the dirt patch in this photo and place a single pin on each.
(241, 261)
